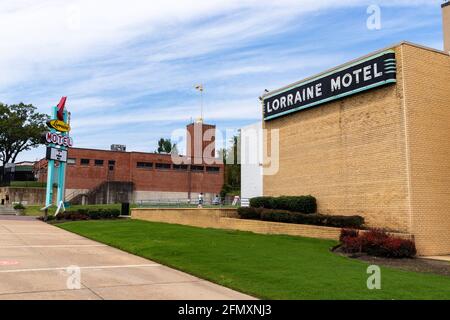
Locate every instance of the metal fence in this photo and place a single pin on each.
(184, 203)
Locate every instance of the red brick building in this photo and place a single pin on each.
(104, 176)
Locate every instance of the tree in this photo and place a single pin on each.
(232, 174)
(21, 128)
(166, 146)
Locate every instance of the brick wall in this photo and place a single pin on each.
(427, 100)
(125, 169)
(227, 219)
(383, 154)
(349, 154)
(446, 25)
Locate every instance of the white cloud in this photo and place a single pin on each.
(139, 59)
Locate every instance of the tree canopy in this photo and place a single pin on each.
(230, 157)
(21, 127)
(166, 146)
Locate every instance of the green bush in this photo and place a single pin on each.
(19, 206)
(262, 202)
(103, 214)
(303, 204)
(301, 218)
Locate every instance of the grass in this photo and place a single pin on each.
(27, 184)
(36, 210)
(265, 266)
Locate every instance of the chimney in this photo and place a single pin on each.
(446, 24)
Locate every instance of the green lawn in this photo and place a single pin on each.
(266, 266)
(36, 210)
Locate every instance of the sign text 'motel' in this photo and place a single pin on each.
(54, 138)
(373, 72)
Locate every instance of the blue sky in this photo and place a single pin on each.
(129, 71)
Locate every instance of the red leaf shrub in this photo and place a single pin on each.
(352, 245)
(377, 243)
(399, 248)
(352, 233)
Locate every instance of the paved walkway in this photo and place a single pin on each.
(34, 258)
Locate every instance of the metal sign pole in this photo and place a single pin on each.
(62, 173)
(50, 174)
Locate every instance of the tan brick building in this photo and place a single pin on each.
(383, 153)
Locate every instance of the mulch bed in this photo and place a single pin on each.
(415, 264)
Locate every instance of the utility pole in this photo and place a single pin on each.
(200, 88)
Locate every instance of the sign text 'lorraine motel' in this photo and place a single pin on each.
(375, 71)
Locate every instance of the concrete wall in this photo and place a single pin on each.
(251, 161)
(161, 195)
(350, 154)
(26, 196)
(427, 100)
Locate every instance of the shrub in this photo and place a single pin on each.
(377, 243)
(302, 204)
(249, 213)
(277, 216)
(103, 214)
(352, 245)
(19, 206)
(94, 214)
(262, 202)
(74, 216)
(115, 213)
(399, 248)
(348, 233)
(372, 242)
(344, 221)
(311, 219)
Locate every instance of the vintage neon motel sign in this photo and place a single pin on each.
(58, 143)
(58, 139)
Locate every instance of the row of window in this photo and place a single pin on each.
(86, 162)
(147, 165)
(179, 167)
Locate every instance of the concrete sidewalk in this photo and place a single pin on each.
(34, 258)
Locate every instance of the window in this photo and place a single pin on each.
(99, 163)
(111, 164)
(144, 165)
(84, 162)
(197, 168)
(212, 169)
(180, 167)
(163, 166)
(71, 161)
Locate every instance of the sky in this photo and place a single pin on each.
(129, 67)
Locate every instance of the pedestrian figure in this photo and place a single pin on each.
(200, 200)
